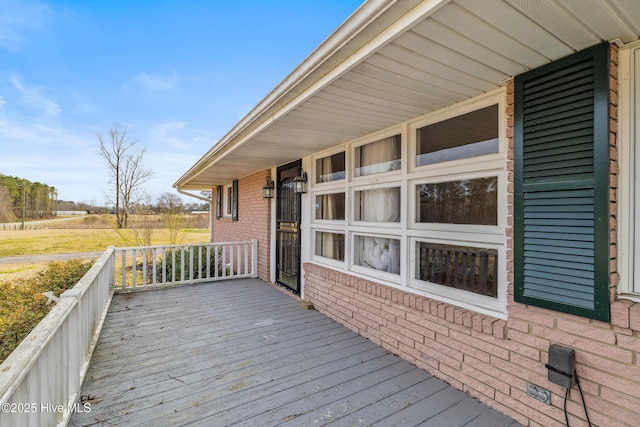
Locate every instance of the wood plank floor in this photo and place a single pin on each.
(243, 353)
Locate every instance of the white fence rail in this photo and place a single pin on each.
(40, 381)
(160, 266)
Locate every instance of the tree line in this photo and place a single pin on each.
(20, 198)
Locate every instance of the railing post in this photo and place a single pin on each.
(254, 258)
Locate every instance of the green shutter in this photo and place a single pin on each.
(219, 191)
(234, 201)
(561, 172)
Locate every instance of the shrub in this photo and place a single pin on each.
(22, 305)
(199, 263)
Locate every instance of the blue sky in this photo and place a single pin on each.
(179, 73)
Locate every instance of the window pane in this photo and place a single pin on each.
(380, 205)
(473, 201)
(378, 253)
(469, 135)
(228, 201)
(377, 157)
(330, 168)
(330, 206)
(330, 245)
(460, 267)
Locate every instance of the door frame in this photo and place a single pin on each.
(295, 164)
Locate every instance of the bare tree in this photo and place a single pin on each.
(172, 210)
(127, 172)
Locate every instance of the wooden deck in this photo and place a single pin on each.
(243, 353)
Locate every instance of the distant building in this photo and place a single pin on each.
(71, 212)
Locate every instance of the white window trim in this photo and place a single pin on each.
(375, 177)
(397, 279)
(461, 297)
(629, 172)
(409, 232)
(329, 222)
(324, 260)
(329, 153)
(227, 202)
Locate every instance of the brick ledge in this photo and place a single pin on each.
(625, 314)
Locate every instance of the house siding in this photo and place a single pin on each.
(492, 359)
(254, 219)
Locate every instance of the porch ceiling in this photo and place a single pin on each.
(394, 61)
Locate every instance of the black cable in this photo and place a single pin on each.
(584, 404)
(566, 416)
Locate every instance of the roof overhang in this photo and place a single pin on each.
(392, 61)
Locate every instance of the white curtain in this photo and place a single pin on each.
(328, 212)
(324, 169)
(380, 205)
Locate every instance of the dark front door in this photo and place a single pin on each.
(288, 228)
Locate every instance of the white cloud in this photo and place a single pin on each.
(82, 105)
(2, 101)
(165, 134)
(20, 17)
(34, 96)
(158, 82)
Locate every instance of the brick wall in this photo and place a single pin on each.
(492, 359)
(254, 219)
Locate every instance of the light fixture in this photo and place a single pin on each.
(268, 189)
(300, 182)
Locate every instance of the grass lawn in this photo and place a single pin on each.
(62, 241)
(86, 234)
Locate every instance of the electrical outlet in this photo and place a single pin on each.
(539, 393)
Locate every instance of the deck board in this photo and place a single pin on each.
(243, 353)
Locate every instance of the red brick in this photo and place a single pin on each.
(546, 415)
(634, 317)
(419, 330)
(605, 336)
(425, 322)
(442, 353)
(614, 396)
(518, 324)
(583, 344)
(488, 381)
(622, 380)
(410, 337)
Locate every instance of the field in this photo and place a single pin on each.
(92, 233)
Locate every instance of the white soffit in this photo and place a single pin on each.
(436, 54)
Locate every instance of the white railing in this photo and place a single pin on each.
(160, 266)
(40, 381)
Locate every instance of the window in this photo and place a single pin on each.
(427, 229)
(378, 157)
(468, 135)
(377, 253)
(228, 200)
(377, 205)
(231, 200)
(469, 201)
(330, 245)
(629, 177)
(330, 206)
(330, 168)
(461, 267)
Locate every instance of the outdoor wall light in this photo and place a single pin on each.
(268, 189)
(300, 182)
